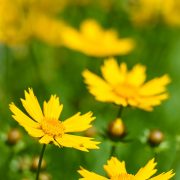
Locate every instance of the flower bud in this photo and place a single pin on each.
(91, 132)
(44, 176)
(116, 128)
(35, 162)
(13, 137)
(155, 137)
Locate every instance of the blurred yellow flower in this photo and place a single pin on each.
(46, 126)
(148, 11)
(13, 27)
(171, 12)
(19, 18)
(92, 40)
(124, 87)
(46, 28)
(116, 170)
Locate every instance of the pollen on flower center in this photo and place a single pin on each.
(124, 177)
(125, 90)
(52, 127)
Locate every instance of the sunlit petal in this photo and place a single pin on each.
(87, 175)
(77, 142)
(52, 109)
(115, 167)
(32, 106)
(78, 122)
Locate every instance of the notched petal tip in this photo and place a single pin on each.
(11, 105)
(85, 73)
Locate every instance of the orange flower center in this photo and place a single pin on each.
(124, 177)
(52, 127)
(125, 90)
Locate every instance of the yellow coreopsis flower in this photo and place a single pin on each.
(124, 87)
(171, 12)
(92, 40)
(145, 11)
(148, 11)
(46, 126)
(21, 20)
(13, 29)
(116, 170)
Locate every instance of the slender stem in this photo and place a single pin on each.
(40, 161)
(120, 111)
(113, 150)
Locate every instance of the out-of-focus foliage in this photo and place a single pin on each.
(32, 55)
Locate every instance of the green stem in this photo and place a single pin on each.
(40, 161)
(120, 111)
(113, 150)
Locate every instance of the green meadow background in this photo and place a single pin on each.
(57, 70)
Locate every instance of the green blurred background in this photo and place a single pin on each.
(57, 70)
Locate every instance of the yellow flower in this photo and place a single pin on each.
(92, 40)
(13, 29)
(19, 18)
(124, 87)
(41, 25)
(171, 12)
(46, 126)
(148, 11)
(145, 11)
(116, 170)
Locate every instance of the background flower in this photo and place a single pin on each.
(126, 88)
(93, 40)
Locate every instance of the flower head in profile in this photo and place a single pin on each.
(124, 87)
(92, 40)
(116, 170)
(46, 126)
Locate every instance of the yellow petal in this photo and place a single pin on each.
(42, 25)
(123, 46)
(102, 90)
(21, 118)
(71, 38)
(114, 167)
(90, 29)
(123, 70)
(164, 176)
(111, 72)
(34, 132)
(147, 103)
(98, 87)
(137, 75)
(87, 175)
(77, 142)
(147, 171)
(78, 122)
(52, 109)
(46, 139)
(32, 106)
(155, 86)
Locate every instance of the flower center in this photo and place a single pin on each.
(52, 127)
(124, 177)
(125, 90)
